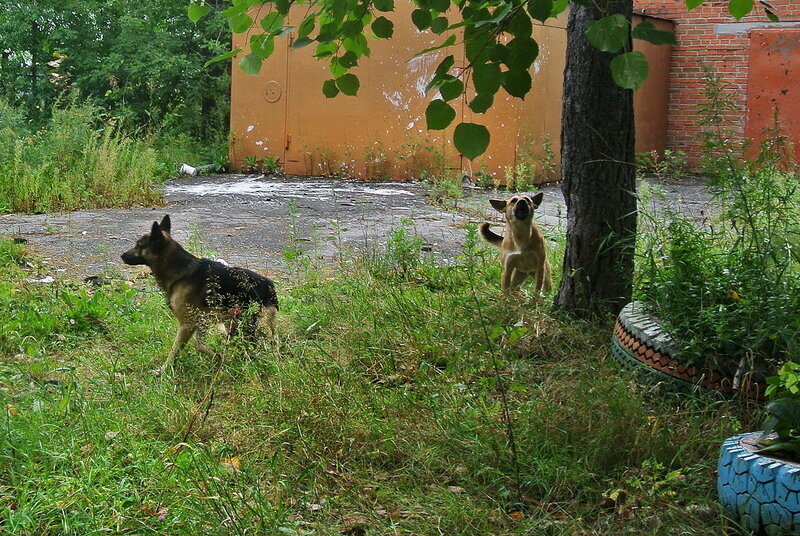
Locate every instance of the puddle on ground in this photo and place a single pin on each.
(256, 186)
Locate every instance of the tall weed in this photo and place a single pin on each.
(75, 161)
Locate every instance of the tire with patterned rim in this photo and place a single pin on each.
(759, 492)
(639, 343)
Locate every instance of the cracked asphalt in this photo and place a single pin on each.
(250, 221)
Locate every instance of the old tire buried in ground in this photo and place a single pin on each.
(759, 492)
(639, 343)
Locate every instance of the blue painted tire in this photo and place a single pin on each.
(759, 492)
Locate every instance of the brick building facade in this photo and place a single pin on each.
(709, 35)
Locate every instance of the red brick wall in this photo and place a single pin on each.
(702, 41)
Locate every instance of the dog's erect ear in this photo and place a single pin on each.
(498, 204)
(537, 199)
(166, 224)
(155, 232)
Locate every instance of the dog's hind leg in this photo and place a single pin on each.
(200, 342)
(267, 318)
(544, 281)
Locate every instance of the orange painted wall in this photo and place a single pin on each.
(381, 133)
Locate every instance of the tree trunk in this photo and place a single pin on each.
(598, 175)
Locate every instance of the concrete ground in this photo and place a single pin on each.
(249, 221)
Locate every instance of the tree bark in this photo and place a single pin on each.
(598, 175)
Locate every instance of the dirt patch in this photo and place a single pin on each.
(249, 221)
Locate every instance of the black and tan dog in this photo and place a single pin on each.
(523, 251)
(202, 292)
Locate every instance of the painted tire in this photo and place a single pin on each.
(640, 344)
(760, 493)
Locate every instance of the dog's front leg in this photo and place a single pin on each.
(181, 338)
(509, 266)
(517, 278)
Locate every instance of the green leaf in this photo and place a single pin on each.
(451, 89)
(421, 18)
(306, 27)
(357, 45)
(771, 15)
(520, 25)
(272, 23)
(647, 32)
(250, 64)
(516, 334)
(240, 23)
(336, 68)
(326, 50)
(440, 5)
(629, 70)
(348, 84)
(477, 44)
(481, 103)
(384, 5)
(740, 8)
(302, 42)
(471, 139)
(283, 6)
(486, 78)
(329, 88)
(691, 4)
(383, 28)
(497, 53)
(540, 9)
(228, 55)
(517, 83)
(348, 60)
(608, 34)
(197, 12)
(522, 52)
(439, 25)
(262, 45)
(450, 41)
(498, 15)
(559, 6)
(439, 115)
(445, 65)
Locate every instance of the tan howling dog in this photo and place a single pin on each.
(523, 252)
(202, 292)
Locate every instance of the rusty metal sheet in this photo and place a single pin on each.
(774, 85)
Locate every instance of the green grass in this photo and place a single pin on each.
(381, 410)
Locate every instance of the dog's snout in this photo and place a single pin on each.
(522, 209)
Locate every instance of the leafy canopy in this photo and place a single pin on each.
(497, 36)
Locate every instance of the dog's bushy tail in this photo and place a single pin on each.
(490, 236)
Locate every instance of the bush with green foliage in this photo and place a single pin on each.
(728, 288)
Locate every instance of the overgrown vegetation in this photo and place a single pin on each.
(76, 160)
(729, 287)
(402, 397)
(665, 165)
